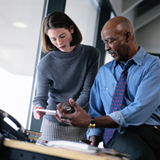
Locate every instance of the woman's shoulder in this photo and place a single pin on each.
(47, 57)
(90, 49)
(44, 61)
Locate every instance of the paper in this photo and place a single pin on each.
(50, 112)
(83, 147)
(77, 146)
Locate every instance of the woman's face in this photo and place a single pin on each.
(61, 38)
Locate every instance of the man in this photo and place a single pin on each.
(137, 121)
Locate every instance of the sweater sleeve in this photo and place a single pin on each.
(93, 66)
(41, 91)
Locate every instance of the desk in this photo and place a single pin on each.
(19, 150)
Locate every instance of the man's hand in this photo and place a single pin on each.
(79, 118)
(95, 140)
(65, 107)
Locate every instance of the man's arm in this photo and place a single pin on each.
(80, 118)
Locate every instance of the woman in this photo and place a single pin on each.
(68, 70)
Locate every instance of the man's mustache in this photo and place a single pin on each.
(110, 52)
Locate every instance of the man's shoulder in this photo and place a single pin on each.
(145, 59)
(107, 67)
(151, 59)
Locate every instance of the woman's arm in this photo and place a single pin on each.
(92, 70)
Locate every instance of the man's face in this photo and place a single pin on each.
(115, 43)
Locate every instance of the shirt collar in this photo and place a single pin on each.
(138, 57)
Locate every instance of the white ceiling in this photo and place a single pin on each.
(18, 46)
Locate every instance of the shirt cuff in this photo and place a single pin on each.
(119, 119)
(94, 132)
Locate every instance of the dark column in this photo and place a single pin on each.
(105, 13)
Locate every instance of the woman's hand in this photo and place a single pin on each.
(38, 114)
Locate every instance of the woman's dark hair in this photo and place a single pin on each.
(58, 20)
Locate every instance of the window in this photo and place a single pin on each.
(85, 14)
(20, 23)
(108, 57)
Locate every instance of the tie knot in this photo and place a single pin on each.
(125, 67)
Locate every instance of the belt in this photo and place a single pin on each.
(157, 127)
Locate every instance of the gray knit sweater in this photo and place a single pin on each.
(61, 76)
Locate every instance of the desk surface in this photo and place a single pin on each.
(67, 154)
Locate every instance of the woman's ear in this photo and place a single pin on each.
(71, 28)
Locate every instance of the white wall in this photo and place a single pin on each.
(18, 50)
(148, 34)
(84, 13)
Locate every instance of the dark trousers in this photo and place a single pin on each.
(142, 143)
